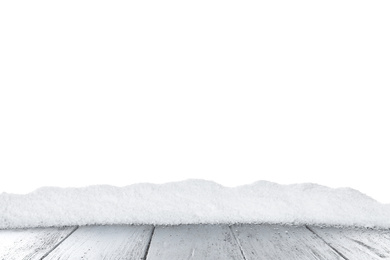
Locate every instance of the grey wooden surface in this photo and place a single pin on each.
(105, 242)
(194, 242)
(32, 243)
(357, 244)
(281, 242)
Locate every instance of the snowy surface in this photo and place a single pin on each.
(192, 202)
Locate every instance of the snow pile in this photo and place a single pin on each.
(192, 202)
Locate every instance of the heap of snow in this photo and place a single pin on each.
(193, 202)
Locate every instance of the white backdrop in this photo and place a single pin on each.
(107, 92)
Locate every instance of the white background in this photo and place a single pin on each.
(108, 92)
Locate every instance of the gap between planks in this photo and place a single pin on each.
(148, 246)
(51, 250)
(238, 242)
(311, 230)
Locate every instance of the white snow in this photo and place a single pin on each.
(192, 202)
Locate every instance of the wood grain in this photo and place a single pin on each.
(359, 244)
(194, 242)
(31, 243)
(104, 242)
(281, 242)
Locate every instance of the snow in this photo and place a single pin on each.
(193, 202)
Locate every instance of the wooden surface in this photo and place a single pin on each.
(214, 242)
(193, 242)
(105, 242)
(30, 244)
(357, 244)
(281, 242)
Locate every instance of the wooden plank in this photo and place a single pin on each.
(31, 243)
(194, 242)
(105, 242)
(357, 244)
(281, 242)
